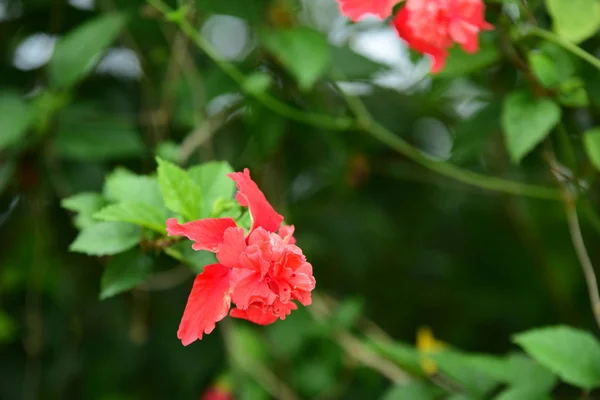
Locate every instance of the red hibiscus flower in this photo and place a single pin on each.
(356, 9)
(261, 273)
(433, 26)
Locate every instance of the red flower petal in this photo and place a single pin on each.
(251, 196)
(234, 244)
(287, 234)
(403, 27)
(207, 233)
(208, 303)
(355, 9)
(251, 289)
(254, 314)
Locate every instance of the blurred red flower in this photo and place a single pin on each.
(261, 272)
(433, 26)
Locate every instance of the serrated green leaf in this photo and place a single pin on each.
(303, 51)
(413, 391)
(572, 354)
(591, 141)
(85, 205)
(16, 118)
(77, 52)
(574, 20)
(124, 272)
(180, 193)
(106, 238)
(136, 213)
(122, 185)
(526, 122)
(214, 183)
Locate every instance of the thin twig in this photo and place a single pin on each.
(569, 201)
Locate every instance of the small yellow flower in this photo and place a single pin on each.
(427, 345)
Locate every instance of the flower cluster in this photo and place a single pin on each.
(261, 273)
(428, 26)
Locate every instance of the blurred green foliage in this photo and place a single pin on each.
(408, 193)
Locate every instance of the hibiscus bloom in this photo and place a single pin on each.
(261, 273)
(433, 26)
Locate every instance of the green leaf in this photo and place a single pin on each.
(528, 393)
(462, 368)
(197, 260)
(257, 83)
(523, 372)
(106, 238)
(575, 20)
(591, 141)
(85, 205)
(460, 63)
(97, 137)
(574, 355)
(303, 51)
(124, 272)
(179, 191)
(572, 93)
(16, 118)
(122, 185)
(413, 391)
(136, 213)
(8, 327)
(349, 65)
(212, 179)
(544, 69)
(77, 52)
(400, 353)
(526, 122)
(247, 348)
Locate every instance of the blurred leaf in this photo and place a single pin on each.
(16, 118)
(591, 141)
(528, 393)
(574, 20)
(168, 150)
(351, 65)
(461, 63)
(402, 354)
(250, 10)
(247, 348)
(460, 368)
(416, 390)
(78, 51)
(8, 327)
(101, 137)
(124, 272)
(313, 377)
(7, 170)
(572, 93)
(544, 68)
(214, 183)
(136, 213)
(85, 205)
(474, 133)
(572, 354)
(106, 238)
(197, 260)
(251, 390)
(523, 372)
(122, 185)
(257, 83)
(303, 51)
(526, 122)
(348, 312)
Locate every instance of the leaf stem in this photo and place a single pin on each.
(565, 44)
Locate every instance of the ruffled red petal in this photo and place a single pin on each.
(254, 314)
(208, 302)
(249, 195)
(356, 9)
(207, 234)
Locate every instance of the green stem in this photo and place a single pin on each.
(565, 44)
(364, 121)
